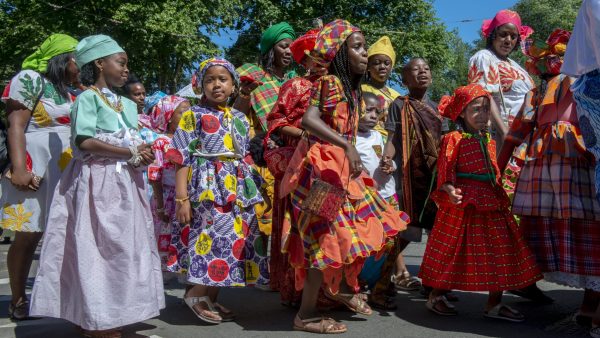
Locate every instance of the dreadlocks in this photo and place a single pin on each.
(340, 67)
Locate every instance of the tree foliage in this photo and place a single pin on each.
(163, 38)
(411, 25)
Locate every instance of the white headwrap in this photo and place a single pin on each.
(583, 51)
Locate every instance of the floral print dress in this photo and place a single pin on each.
(48, 151)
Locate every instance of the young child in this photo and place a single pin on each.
(99, 267)
(475, 244)
(164, 119)
(217, 242)
(353, 221)
(370, 144)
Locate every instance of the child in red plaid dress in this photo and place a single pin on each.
(475, 244)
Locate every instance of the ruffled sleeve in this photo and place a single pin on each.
(483, 70)
(24, 88)
(327, 93)
(84, 115)
(185, 140)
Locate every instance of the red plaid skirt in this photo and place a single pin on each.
(564, 245)
(477, 251)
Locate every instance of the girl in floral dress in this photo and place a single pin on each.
(164, 119)
(217, 242)
(475, 244)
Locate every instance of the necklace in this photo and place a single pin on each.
(118, 107)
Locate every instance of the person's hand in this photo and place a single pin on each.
(145, 151)
(386, 165)
(247, 87)
(455, 194)
(271, 144)
(24, 180)
(183, 212)
(356, 166)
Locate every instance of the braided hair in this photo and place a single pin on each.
(340, 67)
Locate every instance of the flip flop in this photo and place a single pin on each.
(317, 325)
(496, 313)
(191, 301)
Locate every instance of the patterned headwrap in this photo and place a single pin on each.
(163, 111)
(502, 18)
(54, 45)
(205, 65)
(548, 58)
(383, 46)
(152, 101)
(452, 106)
(274, 34)
(331, 38)
(303, 45)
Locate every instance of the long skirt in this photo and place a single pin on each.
(222, 247)
(99, 267)
(566, 250)
(475, 250)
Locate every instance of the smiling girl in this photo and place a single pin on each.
(99, 266)
(218, 243)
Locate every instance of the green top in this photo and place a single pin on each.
(90, 113)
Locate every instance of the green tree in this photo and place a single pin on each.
(411, 25)
(455, 73)
(163, 39)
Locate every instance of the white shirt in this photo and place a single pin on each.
(370, 148)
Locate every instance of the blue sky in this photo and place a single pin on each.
(451, 12)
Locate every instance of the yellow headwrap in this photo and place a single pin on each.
(383, 46)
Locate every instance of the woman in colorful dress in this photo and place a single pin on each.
(285, 121)
(555, 197)
(353, 221)
(217, 242)
(37, 105)
(499, 75)
(382, 59)
(164, 118)
(475, 244)
(99, 267)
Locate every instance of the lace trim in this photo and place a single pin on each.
(573, 280)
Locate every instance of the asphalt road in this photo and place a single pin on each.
(259, 314)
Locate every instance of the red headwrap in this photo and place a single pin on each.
(547, 59)
(303, 44)
(452, 106)
(502, 18)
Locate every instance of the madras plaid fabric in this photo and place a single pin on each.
(252, 70)
(558, 187)
(564, 245)
(331, 38)
(263, 99)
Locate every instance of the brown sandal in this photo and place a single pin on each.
(405, 282)
(360, 306)
(318, 325)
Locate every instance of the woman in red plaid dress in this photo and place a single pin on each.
(555, 196)
(475, 244)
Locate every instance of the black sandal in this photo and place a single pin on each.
(388, 304)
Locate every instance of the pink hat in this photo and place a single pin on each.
(503, 17)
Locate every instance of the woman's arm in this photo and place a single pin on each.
(98, 147)
(18, 118)
(496, 119)
(312, 123)
(291, 131)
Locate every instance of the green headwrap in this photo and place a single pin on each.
(94, 47)
(54, 45)
(274, 34)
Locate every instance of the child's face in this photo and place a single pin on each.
(416, 75)
(217, 85)
(372, 111)
(357, 53)
(174, 122)
(114, 69)
(380, 67)
(477, 114)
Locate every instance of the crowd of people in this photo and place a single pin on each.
(310, 185)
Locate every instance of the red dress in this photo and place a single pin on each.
(476, 245)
